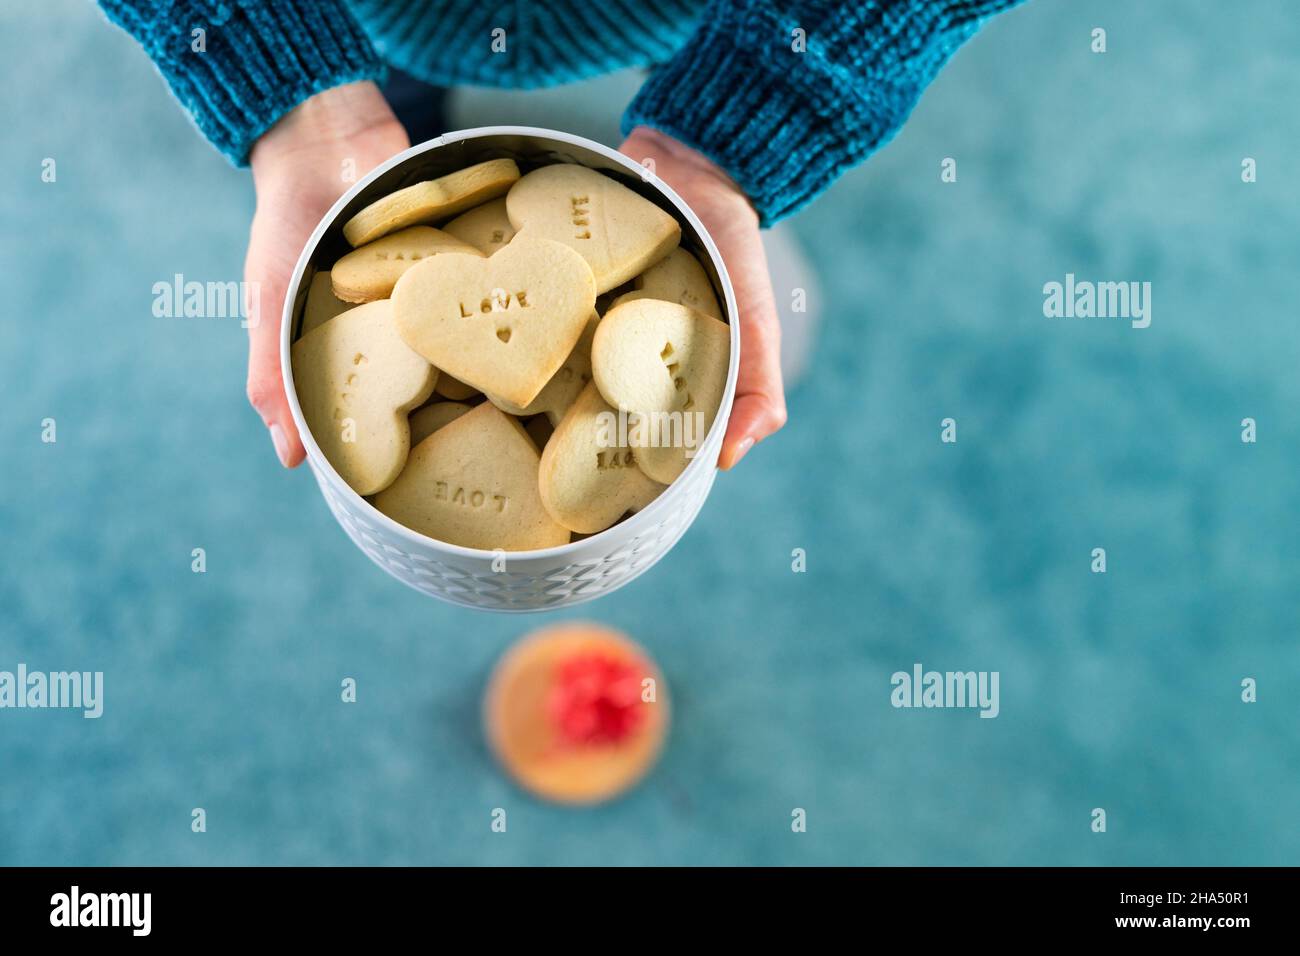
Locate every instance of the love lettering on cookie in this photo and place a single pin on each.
(498, 301)
(474, 497)
(662, 362)
(503, 324)
(619, 233)
(618, 458)
(581, 217)
(588, 480)
(473, 482)
(559, 393)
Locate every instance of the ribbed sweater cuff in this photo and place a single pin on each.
(757, 130)
(785, 125)
(260, 59)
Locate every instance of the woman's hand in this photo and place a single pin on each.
(759, 409)
(300, 167)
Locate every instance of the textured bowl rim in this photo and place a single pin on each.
(316, 458)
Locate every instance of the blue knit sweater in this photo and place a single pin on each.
(783, 94)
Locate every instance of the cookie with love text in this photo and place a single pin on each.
(502, 324)
(589, 476)
(618, 232)
(666, 364)
(356, 380)
(473, 482)
(559, 393)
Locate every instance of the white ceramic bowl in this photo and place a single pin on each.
(516, 580)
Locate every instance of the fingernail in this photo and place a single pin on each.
(741, 450)
(281, 444)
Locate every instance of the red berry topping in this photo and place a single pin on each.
(596, 698)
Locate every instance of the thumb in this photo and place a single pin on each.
(265, 383)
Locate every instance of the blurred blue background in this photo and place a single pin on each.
(1119, 691)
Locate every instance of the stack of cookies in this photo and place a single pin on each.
(538, 365)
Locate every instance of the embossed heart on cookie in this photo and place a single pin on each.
(588, 478)
(559, 393)
(503, 324)
(667, 363)
(356, 380)
(618, 232)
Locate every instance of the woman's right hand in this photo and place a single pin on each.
(300, 168)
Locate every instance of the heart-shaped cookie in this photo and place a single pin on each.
(371, 271)
(618, 232)
(667, 363)
(427, 420)
(322, 304)
(680, 278)
(588, 477)
(431, 200)
(502, 324)
(558, 394)
(473, 482)
(487, 227)
(356, 380)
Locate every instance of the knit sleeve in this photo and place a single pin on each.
(239, 65)
(785, 95)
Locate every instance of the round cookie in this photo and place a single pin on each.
(434, 199)
(576, 713)
(370, 271)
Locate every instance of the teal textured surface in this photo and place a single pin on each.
(1120, 691)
